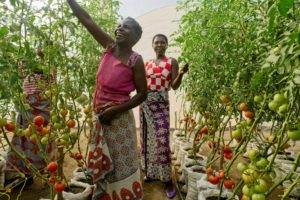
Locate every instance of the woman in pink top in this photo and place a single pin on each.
(113, 158)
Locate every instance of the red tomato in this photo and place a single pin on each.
(39, 129)
(228, 156)
(10, 126)
(78, 156)
(229, 184)
(71, 123)
(204, 130)
(38, 121)
(59, 186)
(227, 149)
(52, 167)
(249, 114)
(214, 179)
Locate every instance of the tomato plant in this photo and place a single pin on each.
(244, 70)
(44, 37)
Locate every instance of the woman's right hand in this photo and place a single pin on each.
(102, 37)
(107, 115)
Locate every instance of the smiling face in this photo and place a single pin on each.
(127, 32)
(160, 45)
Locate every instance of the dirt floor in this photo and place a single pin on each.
(152, 191)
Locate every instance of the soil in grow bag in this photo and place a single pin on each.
(196, 157)
(216, 198)
(199, 170)
(74, 189)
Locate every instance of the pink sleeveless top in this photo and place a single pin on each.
(114, 81)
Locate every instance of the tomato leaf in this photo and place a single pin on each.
(284, 6)
(3, 31)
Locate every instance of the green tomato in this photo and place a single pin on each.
(258, 99)
(57, 126)
(2, 122)
(241, 167)
(54, 118)
(283, 109)
(48, 93)
(237, 134)
(280, 98)
(248, 191)
(261, 186)
(294, 134)
(252, 154)
(273, 105)
(258, 197)
(44, 140)
(252, 166)
(262, 163)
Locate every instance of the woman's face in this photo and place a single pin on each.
(125, 33)
(160, 45)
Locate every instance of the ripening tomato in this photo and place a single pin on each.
(221, 174)
(52, 167)
(209, 171)
(225, 99)
(204, 130)
(249, 114)
(249, 176)
(243, 107)
(38, 121)
(71, 123)
(63, 112)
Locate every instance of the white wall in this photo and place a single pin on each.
(163, 20)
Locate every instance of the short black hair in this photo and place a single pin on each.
(138, 31)
(160, 35)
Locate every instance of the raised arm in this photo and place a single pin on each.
(102, 38)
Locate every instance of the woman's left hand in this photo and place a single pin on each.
(107, 115)
(184, 69)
